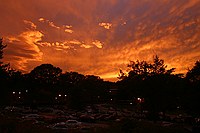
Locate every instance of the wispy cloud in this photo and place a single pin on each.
(65, 28)
(22, 49)
(31, 24)
(85, 46)
(50, 23)
(70, 44)
(98, 44)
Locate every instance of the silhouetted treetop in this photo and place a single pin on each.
(71, 77)
(2, 46)
(5, 69)
(93, 78)
(194, 74)
(46, 73)
(143, 68)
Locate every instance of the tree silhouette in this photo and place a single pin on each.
(43, 80)
(4, 76)
(87, 91)
(2, 46)
(3, 67)
(67, 86)
(153, 82)
(71, 78)
(93, 88)
(193, 75)
(193, 92)
(46, 74)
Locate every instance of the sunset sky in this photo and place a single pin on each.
(100, 37)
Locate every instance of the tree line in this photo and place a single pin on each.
(152, 85)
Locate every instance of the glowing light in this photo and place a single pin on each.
(131, 103)
(139, 100)
(26, 91)
(56, 98)
(19, 92)
(19, 97)
(65, 95)
(13, 92)
(59, 95)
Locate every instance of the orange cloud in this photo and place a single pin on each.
(66, 28)
(41, 20)
(23, 49)
(75, 33)
(68, 31)
(51, 24)
(85, 46)
(105, 25)
(31, 24)
(98, 44)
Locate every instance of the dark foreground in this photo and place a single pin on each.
(101, 119)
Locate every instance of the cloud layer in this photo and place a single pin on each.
(100, 36)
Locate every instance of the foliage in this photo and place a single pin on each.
(194, 74)
(153, 82)
(2, 46)
(4, 76)
(46, 73)
(193, 93)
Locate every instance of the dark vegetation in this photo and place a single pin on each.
(147, 86)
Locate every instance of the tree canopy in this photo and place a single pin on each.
(46, 73)
(194, 74)
(145, 69)
(2, 46)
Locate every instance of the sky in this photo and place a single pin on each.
(100, 37)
